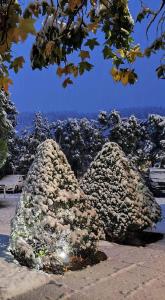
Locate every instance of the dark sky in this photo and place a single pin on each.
(42, 90)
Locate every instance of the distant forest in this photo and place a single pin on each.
(25, 119)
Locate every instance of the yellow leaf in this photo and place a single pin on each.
(115, 74)
(134, 53)
(122, 53)
(125, 77)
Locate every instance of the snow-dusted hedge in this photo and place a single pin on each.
(54, 221)
(123, 202)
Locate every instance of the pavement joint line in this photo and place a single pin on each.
(143, 261)
(141, 287)
(103, 279)
(146, 267)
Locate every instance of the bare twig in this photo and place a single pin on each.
(155, 16)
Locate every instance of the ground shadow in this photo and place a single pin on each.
(145, 238)
(4, 244)
(141, 239)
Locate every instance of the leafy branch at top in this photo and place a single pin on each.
(159, 42)
(71, 26)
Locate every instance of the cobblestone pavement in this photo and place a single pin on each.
(133, 273)
(130, 272)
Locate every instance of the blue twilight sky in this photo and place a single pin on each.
(42, 90)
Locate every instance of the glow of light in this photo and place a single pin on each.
(63, 255)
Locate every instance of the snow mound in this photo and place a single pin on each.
(125, 205)
(54, 221)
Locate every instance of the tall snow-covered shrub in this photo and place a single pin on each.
(119, 195)
(54, 221)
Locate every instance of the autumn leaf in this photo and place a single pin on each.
(84, 66)
(26, 26)
(17, 64)
(4, 83)
(4, 47)
(134, 53)
(132, 78)
(75, 71)
(67, 81)
(49, 47)
(115, 74)
(84, 54)
(122, 53)
(13, 35)
(73, 4)
(91, 43)
(93, 27)
(125, 77)
(108, 53)
(59, 71)
(68, 69)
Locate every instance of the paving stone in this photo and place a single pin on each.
(15, 280)
(90, 275)
(134, 254)
(50, 291)
(117, 286)
(152, 290)
(133, 273)
(157, 264)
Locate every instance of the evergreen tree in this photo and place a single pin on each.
(123, 202)
(27, 143)
(7, 124)
(54, 222)
(129, 133)
(80, 140)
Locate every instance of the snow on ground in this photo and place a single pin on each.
(115, 278)
(7, 211)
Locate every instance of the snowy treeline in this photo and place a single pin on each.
(143, 141)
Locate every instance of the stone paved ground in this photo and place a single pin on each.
(132, 273)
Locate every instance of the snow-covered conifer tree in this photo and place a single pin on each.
(7, 124)
(28, 141)
(123, 202)
(80, 140)
(54, 221)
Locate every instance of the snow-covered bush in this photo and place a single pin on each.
(54, 221)
(123, 202)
